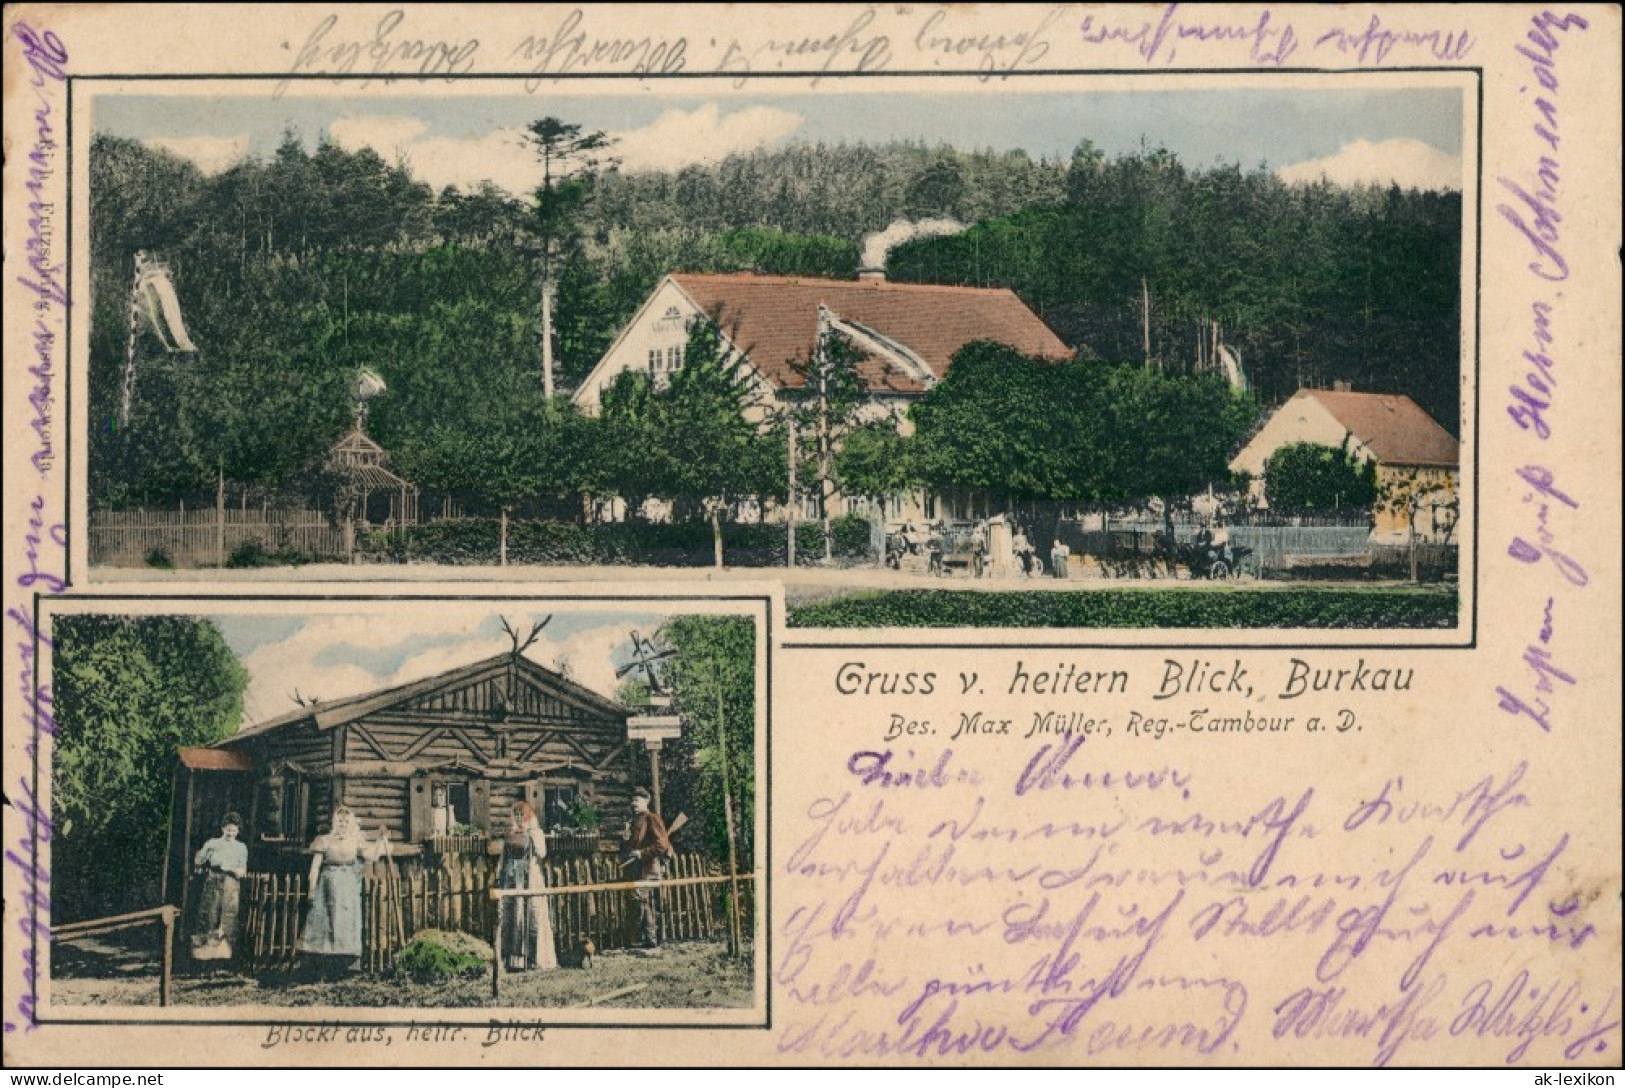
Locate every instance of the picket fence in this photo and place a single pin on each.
(203, 538)
(454, 894)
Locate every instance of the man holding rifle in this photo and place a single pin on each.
(649, 844)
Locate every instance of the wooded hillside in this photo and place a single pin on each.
(294, 271)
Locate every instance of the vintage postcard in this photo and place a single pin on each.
(872, 535)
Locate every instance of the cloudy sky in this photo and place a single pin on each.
(1413, 136)
(330, 656)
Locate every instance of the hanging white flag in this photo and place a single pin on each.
(368, 384)
(159, 304)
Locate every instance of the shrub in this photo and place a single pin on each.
(436, 955)
(250, 553)
(159, 559)
(254, 553)
(673, 544)
(1305, 608)
(586, 815)
(1306, 476)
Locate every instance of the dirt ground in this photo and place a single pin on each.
(800, 584)
(689, 975)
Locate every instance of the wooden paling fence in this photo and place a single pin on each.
(204, 538)
(273, 917)
(560, 844)
(95, 927)
(699, 901)
(453, 892)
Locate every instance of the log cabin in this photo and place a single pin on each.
(483, 737)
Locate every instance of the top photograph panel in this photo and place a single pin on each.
(1069, 352)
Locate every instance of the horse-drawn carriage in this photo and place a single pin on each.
(1209, 557)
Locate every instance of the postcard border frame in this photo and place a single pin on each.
(836, 642)
(764, 618)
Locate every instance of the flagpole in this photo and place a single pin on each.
(735, 925)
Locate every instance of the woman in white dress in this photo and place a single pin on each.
(527, 928)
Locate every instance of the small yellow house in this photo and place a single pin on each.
(1418, 462)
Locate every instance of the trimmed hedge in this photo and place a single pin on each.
(1288, 608)
(677, 544)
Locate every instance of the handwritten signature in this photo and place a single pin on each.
(43, 539)
(384, 51)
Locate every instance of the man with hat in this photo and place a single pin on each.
(648, 841)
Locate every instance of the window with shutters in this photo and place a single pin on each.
(441, 803)
(560, 803)
(287, 808)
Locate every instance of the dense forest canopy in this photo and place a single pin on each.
(129, 691)
(296, 270)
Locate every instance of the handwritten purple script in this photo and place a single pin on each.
(1534, 214)
(44, 538)
(1073, 901)
(1269, 40)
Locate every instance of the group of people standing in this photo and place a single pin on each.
(332, 929)
(1031, 565)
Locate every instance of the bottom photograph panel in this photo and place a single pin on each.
(400, 809)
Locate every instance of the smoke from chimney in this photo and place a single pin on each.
(877, 245)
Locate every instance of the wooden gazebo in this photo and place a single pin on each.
(362, 464)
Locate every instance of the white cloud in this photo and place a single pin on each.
(676, 139)
(501, 157)
(1410, 164)
(334, 657)
(388, 135)
(313, 661)
(590, 654)
(211, 154)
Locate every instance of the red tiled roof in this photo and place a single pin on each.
(1393, 427)
(774, 320)
(215, 759)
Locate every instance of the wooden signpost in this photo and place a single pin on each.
(654, 730)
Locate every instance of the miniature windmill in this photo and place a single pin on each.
(652, 729)
(644, 656)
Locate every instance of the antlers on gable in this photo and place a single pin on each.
(521, 645)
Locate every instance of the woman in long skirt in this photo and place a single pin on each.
(333, 927)
(527, 928)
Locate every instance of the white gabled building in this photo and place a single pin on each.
(908, 333)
